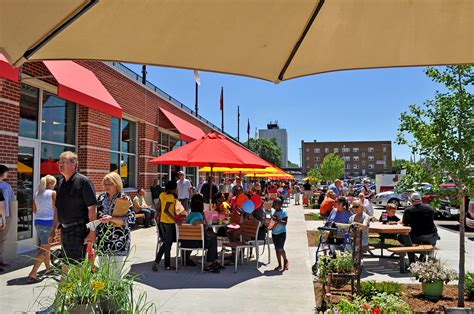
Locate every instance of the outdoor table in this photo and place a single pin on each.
(381, 229)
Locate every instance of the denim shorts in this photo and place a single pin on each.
(279, 241)
(43, 233)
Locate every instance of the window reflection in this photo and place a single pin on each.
(29, 104)
(114, 134)
(128, 137)
(59, 119)
(49, 158)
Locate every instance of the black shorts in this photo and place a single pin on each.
(279, 241)
(72, 241)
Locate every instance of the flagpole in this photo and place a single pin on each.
(238, 123)
(248, 133)
(222, 126)
(196, 107)
(222, 108)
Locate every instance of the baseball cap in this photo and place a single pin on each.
(415, 197)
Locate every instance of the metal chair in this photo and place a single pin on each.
(193, 233)
(249, 232)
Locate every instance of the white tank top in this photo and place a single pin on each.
(44, 205)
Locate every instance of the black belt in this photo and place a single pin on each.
(72, 224)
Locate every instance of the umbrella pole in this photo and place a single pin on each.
(210, 189)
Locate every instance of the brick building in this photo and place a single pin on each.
(361, 158)
(37, 124)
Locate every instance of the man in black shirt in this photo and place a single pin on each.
(75, 207)
(307, 193)
(420, 217)
(205, 190)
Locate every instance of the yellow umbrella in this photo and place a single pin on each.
(239, 170)
(270, 175)
(23, 169)
(310, 179)
(271, 40)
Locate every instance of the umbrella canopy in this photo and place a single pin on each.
(23, 169)
(239, 170)
(212, 150)
(271, 175)
(271, 40)
(49, 166)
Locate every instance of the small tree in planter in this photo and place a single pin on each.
(336, 271)
(432, 276)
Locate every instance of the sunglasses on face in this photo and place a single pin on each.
(355, 206)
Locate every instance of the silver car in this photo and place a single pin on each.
(391, 197)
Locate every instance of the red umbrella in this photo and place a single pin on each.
(212, 150)
(49, 167)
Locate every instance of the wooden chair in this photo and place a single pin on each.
(249, 232)
(190, 232)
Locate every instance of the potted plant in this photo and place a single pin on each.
(336, 270)
(432, 276)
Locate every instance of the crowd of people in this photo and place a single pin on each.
(103, 222)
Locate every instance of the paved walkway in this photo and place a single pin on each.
(248, 291)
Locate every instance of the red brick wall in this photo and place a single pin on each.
(10, 112)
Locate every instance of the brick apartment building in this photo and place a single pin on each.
(50, 110)
(361, 158)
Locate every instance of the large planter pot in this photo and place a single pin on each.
(433, 290)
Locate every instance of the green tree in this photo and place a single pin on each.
(314, 175)
(267, 149)
(442, 132)
(332, 167)
(399, 164)
(292, 164)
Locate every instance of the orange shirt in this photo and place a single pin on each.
(326, 206)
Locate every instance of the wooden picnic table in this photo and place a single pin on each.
(380, 228)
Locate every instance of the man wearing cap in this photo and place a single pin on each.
(420, 217)
(184, 190)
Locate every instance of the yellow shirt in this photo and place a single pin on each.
(168, 202)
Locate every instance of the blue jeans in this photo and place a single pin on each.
(185, 202)
(149, 214)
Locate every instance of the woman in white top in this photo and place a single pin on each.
(43, 208)
(361, 220)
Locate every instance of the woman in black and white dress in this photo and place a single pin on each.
(113, 233)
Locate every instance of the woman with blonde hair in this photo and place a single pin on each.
(361, 221)
(43, 208)
(115, 212)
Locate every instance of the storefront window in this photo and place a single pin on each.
(128, 137)
(115, 134)
(29, 104)
(50, 156)
(123, 148)
(58, 120)
(191, 174)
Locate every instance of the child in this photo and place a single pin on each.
(390, 211)
(280, 216)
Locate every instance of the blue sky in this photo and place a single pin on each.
(354, 105)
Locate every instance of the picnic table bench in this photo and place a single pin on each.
(403, 250)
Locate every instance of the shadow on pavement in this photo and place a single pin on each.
(23, 281)
(389, 267)
(191, 277)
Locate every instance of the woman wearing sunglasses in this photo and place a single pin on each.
(361, 221)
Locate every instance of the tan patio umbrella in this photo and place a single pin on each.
(271, 40)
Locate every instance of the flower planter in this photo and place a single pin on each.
(433, 290)
(339, 280)
(81, 309)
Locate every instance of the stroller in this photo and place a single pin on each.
(333, 236)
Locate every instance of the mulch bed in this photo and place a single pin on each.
(412, 294)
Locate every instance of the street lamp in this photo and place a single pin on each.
(344, 158)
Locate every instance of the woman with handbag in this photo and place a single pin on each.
(165, 212)
(115, 213)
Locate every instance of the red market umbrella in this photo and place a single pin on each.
(49, 167)
(214, 150)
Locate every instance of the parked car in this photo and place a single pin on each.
(401, 200)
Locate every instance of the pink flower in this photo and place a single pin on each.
(366, 306)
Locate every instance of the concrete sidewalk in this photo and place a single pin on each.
(248, 291)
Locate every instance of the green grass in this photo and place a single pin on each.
(314, 216)
(389, 242)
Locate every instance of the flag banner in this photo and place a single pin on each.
(196, 77)
(248, 126)
(222, 99)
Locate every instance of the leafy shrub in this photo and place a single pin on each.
(315, 216)
(315, 206)
(342, 263)
(469, 286)
(381, 303)
(369, 289)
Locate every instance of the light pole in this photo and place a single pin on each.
(344, 158)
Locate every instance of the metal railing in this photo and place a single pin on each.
(137, 77)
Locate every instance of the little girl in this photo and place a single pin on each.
(280, 216)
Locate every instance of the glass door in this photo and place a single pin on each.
(28, 176)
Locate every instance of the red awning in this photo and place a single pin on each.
(6, 70)
(78, 84)
(188, 131)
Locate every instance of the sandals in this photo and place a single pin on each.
(286, 267)
(33, 279)
(278, 268)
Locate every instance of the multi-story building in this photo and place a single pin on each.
(281, 137)
(364, 158)
(100, 110)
